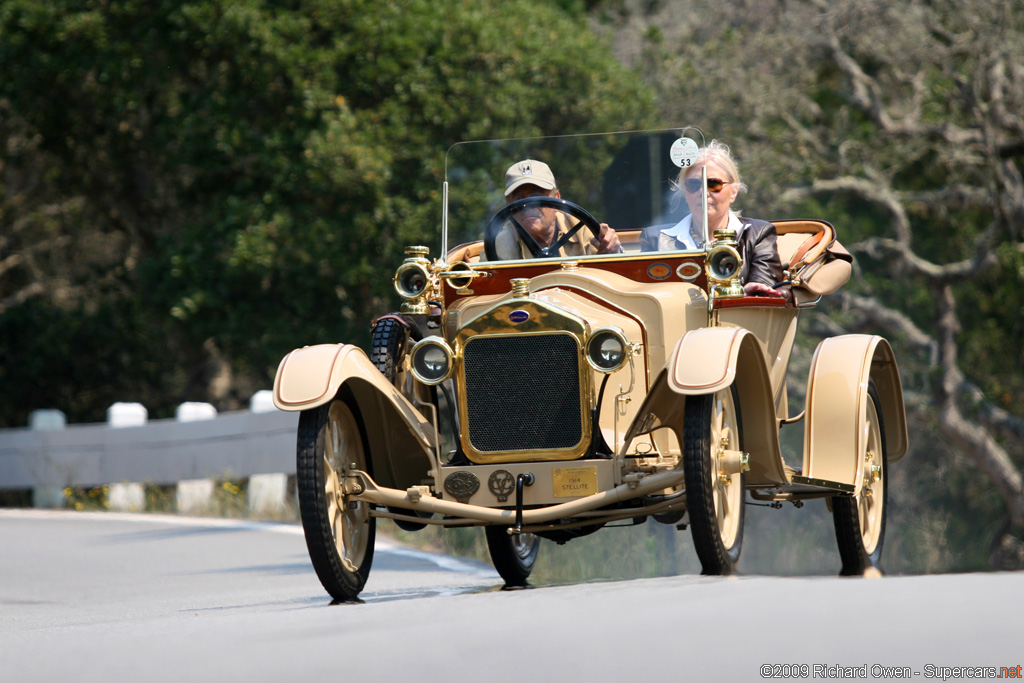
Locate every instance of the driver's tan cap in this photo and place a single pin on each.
(528, 172)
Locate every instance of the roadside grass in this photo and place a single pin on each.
(87, 499)
(228, 498)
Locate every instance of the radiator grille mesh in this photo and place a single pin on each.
(523, 392)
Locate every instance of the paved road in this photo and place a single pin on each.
(106, 597)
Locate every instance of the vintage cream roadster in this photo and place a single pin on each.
(550, 396)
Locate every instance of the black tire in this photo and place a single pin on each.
(339, 532)
(860, 519)
(387, 346)
(512, 556)
(387, 349)
(715, 504)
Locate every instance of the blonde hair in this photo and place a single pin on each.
(717, 153)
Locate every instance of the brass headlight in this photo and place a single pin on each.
(723, 266)
(607, 349)
(412, 281)
(432, 360)
(724, 263)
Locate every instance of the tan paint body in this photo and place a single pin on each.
(679, 351)
(400, 438)
(837, 386)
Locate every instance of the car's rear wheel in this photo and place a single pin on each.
(339, 530)
(860, 519)
(512, 555)
(714, 496)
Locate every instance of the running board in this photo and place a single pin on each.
(822, 483)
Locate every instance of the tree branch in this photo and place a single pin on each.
(894, 321)
(866, 96)
(878, 247)
(989, 455)
(21, 296)
(869, 189)
(900, 248)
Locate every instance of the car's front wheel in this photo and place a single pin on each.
(339, 530)
(512, 555)
(860, 519)
(714, 494)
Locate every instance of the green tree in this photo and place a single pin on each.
(191, 190)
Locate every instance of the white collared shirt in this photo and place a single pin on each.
(681, 230)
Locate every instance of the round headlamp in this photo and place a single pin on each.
(432, 360)
(411, 279)
(724, 263)
(607, 349)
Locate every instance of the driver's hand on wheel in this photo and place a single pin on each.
(761, 289)
(607, 242)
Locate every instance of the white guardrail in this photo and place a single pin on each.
(127, 452)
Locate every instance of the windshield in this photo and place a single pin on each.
(627, 180)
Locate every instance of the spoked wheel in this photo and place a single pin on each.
(339, 530)
(714, 480)
(860, 519)
(513, 556)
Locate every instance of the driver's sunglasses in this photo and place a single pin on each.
(714, 184)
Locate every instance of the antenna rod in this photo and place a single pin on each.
(444, 223)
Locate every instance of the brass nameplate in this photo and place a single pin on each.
(574, 482)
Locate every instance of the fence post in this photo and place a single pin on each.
(48, 420)
(262, 402)
(194, 495)
(126, 496)
(126, 415)
(267, 492)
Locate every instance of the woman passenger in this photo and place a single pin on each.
(757, 239)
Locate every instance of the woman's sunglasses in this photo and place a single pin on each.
(714, 184)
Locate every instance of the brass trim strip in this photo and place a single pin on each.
(587, 259)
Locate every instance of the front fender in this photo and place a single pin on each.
(837, 391)
(712, 359)
(705, 360)
(401, 440)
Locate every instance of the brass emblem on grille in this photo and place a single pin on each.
(502, 484)
(462, 485)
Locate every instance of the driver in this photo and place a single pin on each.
(531, 178)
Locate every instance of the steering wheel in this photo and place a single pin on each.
(507, 214)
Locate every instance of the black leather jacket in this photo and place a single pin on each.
(760, 250)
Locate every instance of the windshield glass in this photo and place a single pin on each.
(627, 180)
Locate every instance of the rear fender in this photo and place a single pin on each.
(713, 359)
(837, 395)
(401, 440)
